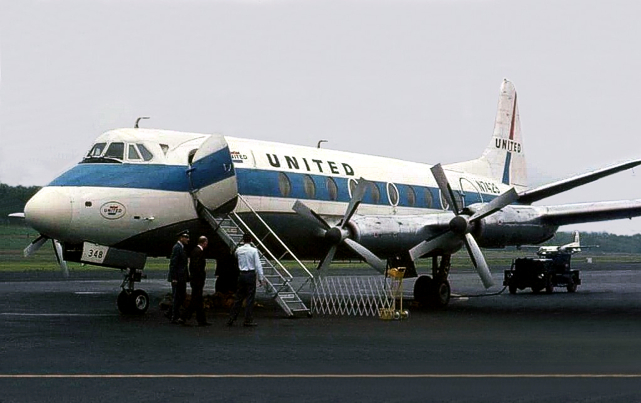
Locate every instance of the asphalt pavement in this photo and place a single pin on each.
(62, 340)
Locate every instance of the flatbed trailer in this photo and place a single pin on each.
(542, 273)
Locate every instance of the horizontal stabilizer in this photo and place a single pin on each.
(590, 212)
(541, 192)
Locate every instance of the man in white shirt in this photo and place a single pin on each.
(250, 269)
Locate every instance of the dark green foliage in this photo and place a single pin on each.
(13, 199)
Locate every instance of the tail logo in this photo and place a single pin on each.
(508, 145)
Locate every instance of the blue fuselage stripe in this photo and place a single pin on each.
(254, 182)
(134, 176)
(251, 182)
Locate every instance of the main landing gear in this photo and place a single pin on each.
(130, 301)
(434, 291)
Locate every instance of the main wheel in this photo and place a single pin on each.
(572, 287)
(124, 302)
(423, 289)
(512, 289)
(139, 302)
(441, 293)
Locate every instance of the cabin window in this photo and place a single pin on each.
(411, 196)
(376, 193)
(310, 186)
(146, 154)
(164, 148)
(96, 150)
(429, 201)
(392, 194)
(332, 188)
(132, 153)
(115, 150)
(284, 184)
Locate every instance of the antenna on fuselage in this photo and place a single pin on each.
(139, 119)
(319, 143)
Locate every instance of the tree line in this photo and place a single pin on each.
(13, 199)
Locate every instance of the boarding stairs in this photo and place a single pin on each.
(278, 280)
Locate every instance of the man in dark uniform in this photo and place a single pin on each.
(197, 275)
(178, 275)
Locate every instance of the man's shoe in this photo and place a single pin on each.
(202, 324)
(179, 321)
(250, 324)
(230, 322)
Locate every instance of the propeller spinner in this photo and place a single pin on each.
(339, 234)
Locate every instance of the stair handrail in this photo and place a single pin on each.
(275, 236)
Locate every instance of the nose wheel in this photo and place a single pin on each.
(131, 301)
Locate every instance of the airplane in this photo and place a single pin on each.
(567, 249)
(137, 188)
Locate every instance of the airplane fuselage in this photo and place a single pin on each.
(140, 205)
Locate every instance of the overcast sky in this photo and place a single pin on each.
(415, 80)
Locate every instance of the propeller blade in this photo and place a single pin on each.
(57, 249)
(495, 205)
(429, 245)
(446, 189)
(367, 255)
(479, 261)
(357, 197)
(327, 260)
(35, 245)
(310, 215)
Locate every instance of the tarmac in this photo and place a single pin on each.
(63, 340)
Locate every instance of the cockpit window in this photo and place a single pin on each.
(115, 150)
(146, 154)
(96, 150)
(132, 153)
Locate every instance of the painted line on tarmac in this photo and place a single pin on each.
(56, 314)
(319, 376)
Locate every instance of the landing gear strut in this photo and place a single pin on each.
(130, 301)
(434, 291)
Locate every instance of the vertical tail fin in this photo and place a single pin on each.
(503, 159)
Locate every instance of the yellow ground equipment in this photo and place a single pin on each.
(395, 276)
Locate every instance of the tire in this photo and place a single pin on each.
(423, 289)
(441, 293)
(512, 289)
(572, 287)
(124, 302)
(139, 301)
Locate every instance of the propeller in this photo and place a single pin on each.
(57, 250)
(461, 226)
(339, 234)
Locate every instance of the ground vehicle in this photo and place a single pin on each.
(542, 273)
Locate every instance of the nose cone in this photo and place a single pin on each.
(49, 212)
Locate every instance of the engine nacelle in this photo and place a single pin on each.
(389, 235)
(513, 226)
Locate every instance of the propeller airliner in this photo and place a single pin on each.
(137, 188)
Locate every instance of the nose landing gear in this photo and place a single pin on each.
(131, 301)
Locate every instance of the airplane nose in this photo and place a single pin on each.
(49, 212)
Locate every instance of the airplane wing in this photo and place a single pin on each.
(18, 215)
(541, 192)
(589, 212)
